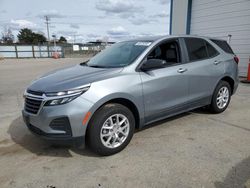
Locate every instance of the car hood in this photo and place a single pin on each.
(71, 77)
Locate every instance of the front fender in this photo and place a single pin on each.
(114, 96)
(125, 86)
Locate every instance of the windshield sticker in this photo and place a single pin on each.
(143, 43)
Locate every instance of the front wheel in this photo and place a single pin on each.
(221, 97)
(110, 129)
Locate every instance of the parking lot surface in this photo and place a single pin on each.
(194, 149)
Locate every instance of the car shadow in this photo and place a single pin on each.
(202, 110)
(20, 134)
(238, 176)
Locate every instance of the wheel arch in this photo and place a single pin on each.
(229, 80)
(130, 105)
(127, 101)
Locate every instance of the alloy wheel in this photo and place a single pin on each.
(115, 131)
(222, 97)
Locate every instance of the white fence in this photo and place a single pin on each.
(29, 51)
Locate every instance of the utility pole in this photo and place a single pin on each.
(47, 23)
(74, 41)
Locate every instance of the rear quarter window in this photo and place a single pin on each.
(199, 49)
(223, 45)
(212, 52)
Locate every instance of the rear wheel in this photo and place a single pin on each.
(110, 129)
(221, 97)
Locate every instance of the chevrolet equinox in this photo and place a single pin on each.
(129, 85)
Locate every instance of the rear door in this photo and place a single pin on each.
(205, 67)
(166, 89)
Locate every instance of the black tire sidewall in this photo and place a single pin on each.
(96, 123)
(214, 107)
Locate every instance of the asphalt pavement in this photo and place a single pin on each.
(194, 149)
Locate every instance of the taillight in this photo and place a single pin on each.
(236, 59)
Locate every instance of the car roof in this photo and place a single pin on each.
(156, 38)
(150, 38)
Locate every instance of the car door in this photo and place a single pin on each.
(204, 69)
(165, 90)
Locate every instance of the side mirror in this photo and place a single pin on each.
(153, 64)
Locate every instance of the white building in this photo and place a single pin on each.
(215, 18)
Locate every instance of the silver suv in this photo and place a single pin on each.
(129, 85)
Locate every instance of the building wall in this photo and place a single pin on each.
(179, 17)
(215, 18)
(220, 18)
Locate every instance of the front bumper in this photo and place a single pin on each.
(58, 139)
(60, 122)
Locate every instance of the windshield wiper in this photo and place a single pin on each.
(94, 66)
(85, 63)
(98, 66)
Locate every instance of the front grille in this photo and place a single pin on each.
(32, 105)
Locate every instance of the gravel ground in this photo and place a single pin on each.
(195, 149)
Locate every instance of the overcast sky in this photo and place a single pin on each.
(88, 20)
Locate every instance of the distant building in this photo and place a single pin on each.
(215, 18)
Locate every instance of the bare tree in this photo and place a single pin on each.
(7, 36)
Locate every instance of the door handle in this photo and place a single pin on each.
(182, 70)
(217, 62)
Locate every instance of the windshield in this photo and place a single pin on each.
(119, 54)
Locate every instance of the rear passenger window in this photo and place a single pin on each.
(212, 52)
(196, 49)
(199, 49)
(224, 46)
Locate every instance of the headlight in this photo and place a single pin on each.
(60, 101)
(64, 97)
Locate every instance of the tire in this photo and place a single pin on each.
(217, 105)
(101, 125)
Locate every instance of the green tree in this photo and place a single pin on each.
(62, 40)
(38, 38)
(27, 36)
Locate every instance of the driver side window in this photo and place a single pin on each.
(168, 51)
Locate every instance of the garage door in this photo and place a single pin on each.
(220, 18)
